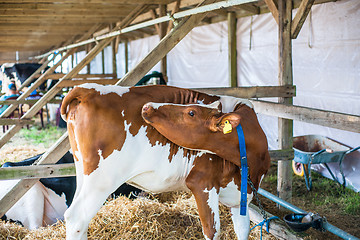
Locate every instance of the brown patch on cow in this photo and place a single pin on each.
(137, 97)
(98, 120)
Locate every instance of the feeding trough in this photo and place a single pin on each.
(315, 149)
(300, 222)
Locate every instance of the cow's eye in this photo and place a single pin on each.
(191, 113)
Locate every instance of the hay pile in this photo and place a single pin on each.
(121, 218)
(19, 153)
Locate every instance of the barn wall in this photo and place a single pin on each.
(326, 67)
(326, 64)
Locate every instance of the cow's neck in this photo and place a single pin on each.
(231, 151)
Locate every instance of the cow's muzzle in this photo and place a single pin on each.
(147, 111)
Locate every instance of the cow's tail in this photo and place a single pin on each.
(74, 95)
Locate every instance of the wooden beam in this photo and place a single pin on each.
(281, 155)
(248, 7)
(72, 83)
(14, 121)
(273, 8)
(126, 57)
(285, 131)
(163, 31)
(252, 92)
(164, 46)
(24, 101)
(114, 51)
(75, 5)
(232, 49)
(38, 171)
(81, 76)
(320, 117)
(78, 13)
(300, 17)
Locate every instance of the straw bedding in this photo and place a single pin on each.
(19, 153)
(165, 216)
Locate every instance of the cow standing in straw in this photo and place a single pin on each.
(113, 144)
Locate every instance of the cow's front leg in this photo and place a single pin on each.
(207, 201)
(241, 223)
(89, 199)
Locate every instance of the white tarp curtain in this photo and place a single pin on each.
(326, 66)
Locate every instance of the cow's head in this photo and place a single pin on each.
(195, 126)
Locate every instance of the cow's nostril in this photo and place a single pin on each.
(146, 107)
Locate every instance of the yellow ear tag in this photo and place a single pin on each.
(227, 127)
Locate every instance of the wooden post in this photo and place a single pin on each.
(114, 51)
(163, 31)
(88, 48)
(126, 56)
(72, 61)
(232, 48)
(284, 187)
(103, 61)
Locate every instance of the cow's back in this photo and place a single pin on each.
(105, 126)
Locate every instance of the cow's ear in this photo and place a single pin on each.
(226, 123)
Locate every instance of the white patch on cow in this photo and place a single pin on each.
(262, 176)
(78, 164)
(38, 206)
(55, 206)
(230, 197)
(241, 223)
(229, 103)
(106, 89)
(148, 169)
(213, 203)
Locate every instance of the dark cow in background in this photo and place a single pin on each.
(48, 199)
(22, 71)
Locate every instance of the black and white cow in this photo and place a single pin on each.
(48, 199)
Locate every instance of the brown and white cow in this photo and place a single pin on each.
(112, 144)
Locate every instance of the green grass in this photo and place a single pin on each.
(46, 136)
(325, 193)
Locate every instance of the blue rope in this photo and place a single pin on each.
(261, 224)
(244, 170)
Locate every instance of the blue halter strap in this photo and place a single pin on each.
(244, 170)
